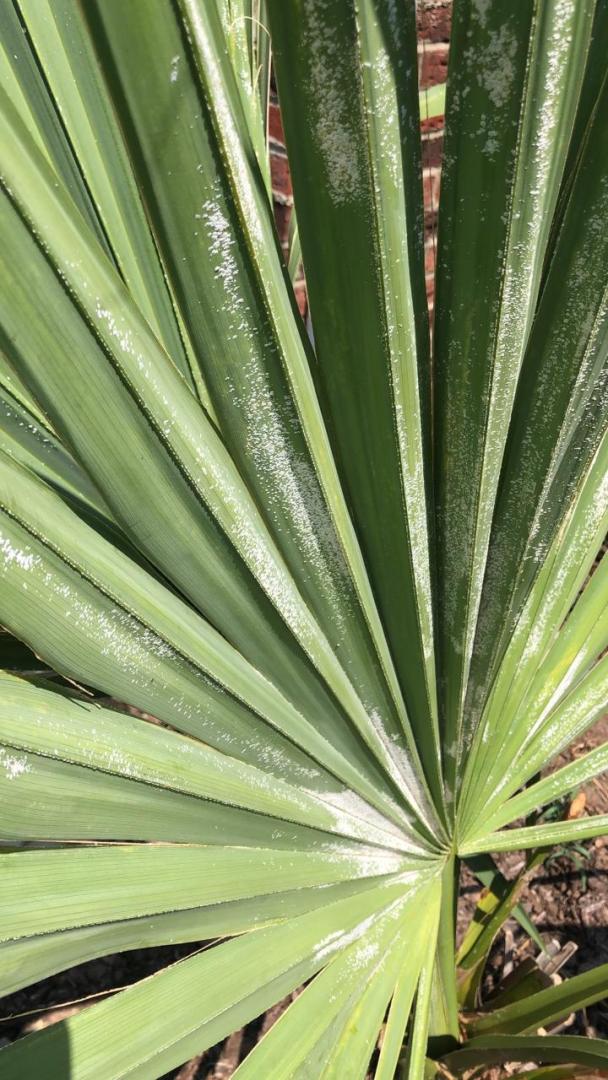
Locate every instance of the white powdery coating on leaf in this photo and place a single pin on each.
(383, 111)
(481, 8)
(135, 650)
(364, 953)
(340, 939)
(231, 136)
(568, 721)
(347, 805)
(335, 134)
(23, 557)
(535, 173)
(153, 666)
(578, 533)
(288, 477)
(221, 245)
(174, 69)
(217, 482)
(412, 477)
(291, 485)
(402, 769)
(13, 766)
(495, 67)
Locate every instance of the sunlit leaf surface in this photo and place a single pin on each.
(291, 622)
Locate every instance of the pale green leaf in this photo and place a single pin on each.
(198, 1001)
(42, 891)
(26, 960)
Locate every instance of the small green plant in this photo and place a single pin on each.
(576, 853)
(343, 591)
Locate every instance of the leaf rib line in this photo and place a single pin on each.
(377, 262)
(271, 321)
(175, 649)
(469, 631)
(157, 785)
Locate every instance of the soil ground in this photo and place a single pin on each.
(567, 899)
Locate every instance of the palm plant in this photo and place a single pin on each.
(351, 595)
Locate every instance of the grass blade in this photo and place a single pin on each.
(496, 1049)
(545, 1006)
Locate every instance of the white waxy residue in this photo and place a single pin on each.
(13, 766)
(334, 128)
(23, 557)
(495, 66)
(174, 69)
(481, 8)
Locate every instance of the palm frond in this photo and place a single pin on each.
(290, 629)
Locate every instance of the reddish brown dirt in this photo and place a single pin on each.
(567, 897)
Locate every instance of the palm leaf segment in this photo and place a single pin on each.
(362, 632)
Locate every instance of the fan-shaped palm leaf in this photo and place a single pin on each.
(346, 590)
